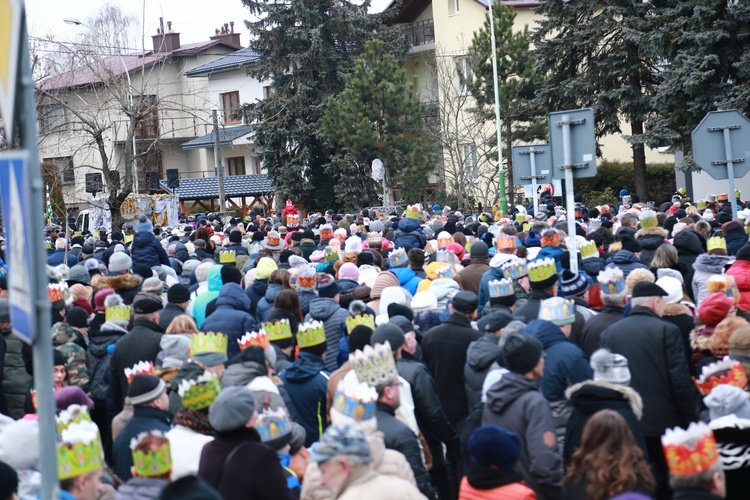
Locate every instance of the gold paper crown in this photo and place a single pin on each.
(326, 232)
(273, 424)
(690, 451)
(306, 281)
(310, 334)
(588, 250)
(412, 212)
(227, 257)
(208, 342)
(443, 255)
(374, 237)
(273, 238)
(444, 239)
(199, 393)
(722, 372)
(79, 451)
(526, 227)
(250, 339)
(374, 366)
(117, 313)
(612, 281)
(501, 288)
(515, 269)
(153, 463)
(59, 292)
(716, 242)
(360, 319)
(292, 220)
(74, 414)
(520, 217)
(278, 330)
(541, 270)
(702, 204)
(558, 310)
(355, 400)
(140, 368)
(505, 241)
(648, 218)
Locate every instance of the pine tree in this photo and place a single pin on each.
(597, 54)
(306, 47)
(378, 115)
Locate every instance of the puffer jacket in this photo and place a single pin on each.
(409, 234)
(333, 316)
(147, 251)
(71, 344)
(735, 241)
(255, 292)
(626, 261)
(689, 245)
(16, 380)
(264, 306)
(481, 357)
(386, 462)
(306, 381)
(98, 357)
(493, 273)
(231, 316)
(304, 300)
(704, 267)
(650, 238)
(740, 270)
(188, 268)
(141, 488)
(200, 303)
(407, 279)
(126, 285)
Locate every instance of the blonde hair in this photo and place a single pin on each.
(636, 276)
(182, 323)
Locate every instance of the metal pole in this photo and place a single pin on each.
(41, 344)
(385, 191)
(498, 123)
(217, 160)
(569, 196)
(532, 158)
(730, 171)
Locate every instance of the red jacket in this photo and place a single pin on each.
(513, 491)
(740, 270)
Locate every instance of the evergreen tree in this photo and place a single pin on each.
(597, 54)
(523, 119)
(306, 48)
(378, 115)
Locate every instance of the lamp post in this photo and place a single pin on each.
(77, 22)
(498, 123)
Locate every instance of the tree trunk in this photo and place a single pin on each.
(639, 163)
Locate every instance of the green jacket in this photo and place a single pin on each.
(70, 342)
(16, 380)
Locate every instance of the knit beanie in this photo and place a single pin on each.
(725, 399)
(145, 388)
(327, 287)
(390, 333)
(178, 293)
(573, 284)
(77, 317)
(365, 259)
(120, 262)
(235, 236)
(143, 225)
(265, 267)
(521, 353)
(744, 252)
(629, 243)
(491, 446)
(230, 274)
(610, 367)
(714, 308)
(349, 271)
(360, 337)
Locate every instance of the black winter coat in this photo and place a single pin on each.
(593, 328)
(480, 357)
(142, 343)
(658, 367)
(689, 245)
(99, 360)
(530, 310)
(650, 238)
(170, 312)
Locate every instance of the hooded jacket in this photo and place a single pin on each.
(740, 270)
(481, 356)
(735, 241)
(125, 285)
(306, 381)
(704, 267)
(255, 292)
(650, 238)
(98, 357)
(626, 261)
(689, 245)
(145, 419)
(231, 316)
(407, 279)
(200, 303)
(333, 316)
(409, 234)
(147, 251)
(514, 403)
(265, 304)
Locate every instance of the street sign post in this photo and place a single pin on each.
(721, 147)
(11, 19)
(573, 140)
(532, 162)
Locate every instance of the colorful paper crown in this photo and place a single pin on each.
(541, 270)
(292, 220)
(59, 292)
(73, 414)
(199, 393)
(515, 269)
(273, 424)
(152, 463)
(117, 313)
(305, 280)
(374, 366)
(208, 342)
(278, 330)
(227, 257)
(397, 258)
(444, 255)
(140, 368)
(594, 224)
(505, 241)
(444, 239)
(520, 217)
(501, 288)
(612, 281)
(412, 212)
(648, 218)
(374, 237)
(558, 310)
(588, 250)
(552, 240)
(526, 227)
(326, 232)
(722, 372)
(273, 238)
(353, 322)
(79, 450)
(716, 242)
(447, 272)
(355, 400)
(701, 204)
(690, 451)
(310, 334)
(250, 339)
(331, 254)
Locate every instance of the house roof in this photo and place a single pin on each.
(410, 10)
(226, 136)
(229, 62)
(234, 186)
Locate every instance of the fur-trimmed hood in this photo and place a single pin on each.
(625, 393)
(713, 264)
(700, 338)
(652, 231)
(117, 282)
(676, 310)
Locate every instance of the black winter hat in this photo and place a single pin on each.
(59, 358)
(365, 258)
(573, 284)
(178, 293)
(396, 309)
(629, 243)
(390, 333)
(521, 353)
(230, 274)
(77, 317)
(8, 481)
(147, 303)
(360, 337)
(145, 388)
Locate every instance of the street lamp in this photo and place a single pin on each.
(498, 123)
(77, 22)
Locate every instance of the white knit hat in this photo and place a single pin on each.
(610, 367)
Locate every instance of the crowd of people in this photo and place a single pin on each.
(431, 353)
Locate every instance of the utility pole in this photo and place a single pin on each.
(217, 161)
(498, 123)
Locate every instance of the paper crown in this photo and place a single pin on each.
(553, 240)
(594, 224)
(374, 237)
(690, 451)
(79, 450)
(443, 255)
(588, 250)
(73, 414)
(152, 463)
(199, 393)
(701, 204)
(501, 288)
(353, 322)
(374, 366)
(515, 269)
(648, 218)
(117, 313)
(292, 220)
(716, 242)
(412, 212)
(505, 241)
(526, 227)
(278, 330)
(310, 334)
(326, 232)
(273, 238)
(558, 310)
(208, 342)
(273, 424)
(305, 280)
(722, 197)
(520, 217)
(444, 239)
(541, 270)
(59, 292)
(612, 281)
(397, 258)
(140, 368)
(355, 400)
(331, 254)
(227, 257)
(446, 272)
(250, 339)
(722, 372)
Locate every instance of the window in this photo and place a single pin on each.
(453, 7)
(464, 74)
(148, 125)
(230, 104)
(266, 91)
(236, 165)
(51, 118)
(148, 161)
(469, 156)
(257, 166)
(65, 165)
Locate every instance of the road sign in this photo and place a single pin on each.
(582, 142)
(532, 163)
(554, 186)
(10, 36)
(708, 143)
(15, 192)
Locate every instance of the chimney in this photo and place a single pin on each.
(227, 35)
(165, 40)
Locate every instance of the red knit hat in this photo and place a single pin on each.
(100, 296)
(714, 308)
(457, 249)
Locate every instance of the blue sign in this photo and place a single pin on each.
(15, 193)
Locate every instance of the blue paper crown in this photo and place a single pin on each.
(558, 310)
(612, 281)
(356, 401)
(446, 256)
(397, 258)
(273, 425)
(501, 288)
(515, 269)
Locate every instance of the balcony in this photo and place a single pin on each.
(420, 35)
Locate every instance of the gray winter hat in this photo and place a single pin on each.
(232, 409)
(610, 367)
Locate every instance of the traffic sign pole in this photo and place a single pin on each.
(730, 170)
(569, 196)
(532, 160)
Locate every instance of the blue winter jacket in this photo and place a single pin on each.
(333, 316)
(255, 292)
(493, 273)
(58, 257)
(408, 280)
(565, 364)
(265, 305)
(201, 301)
(626, 261)
(147, 251)
(409, 234)
(231, 317)
(347, 285)
(306, 381)
(145, 419)
(551, 253)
